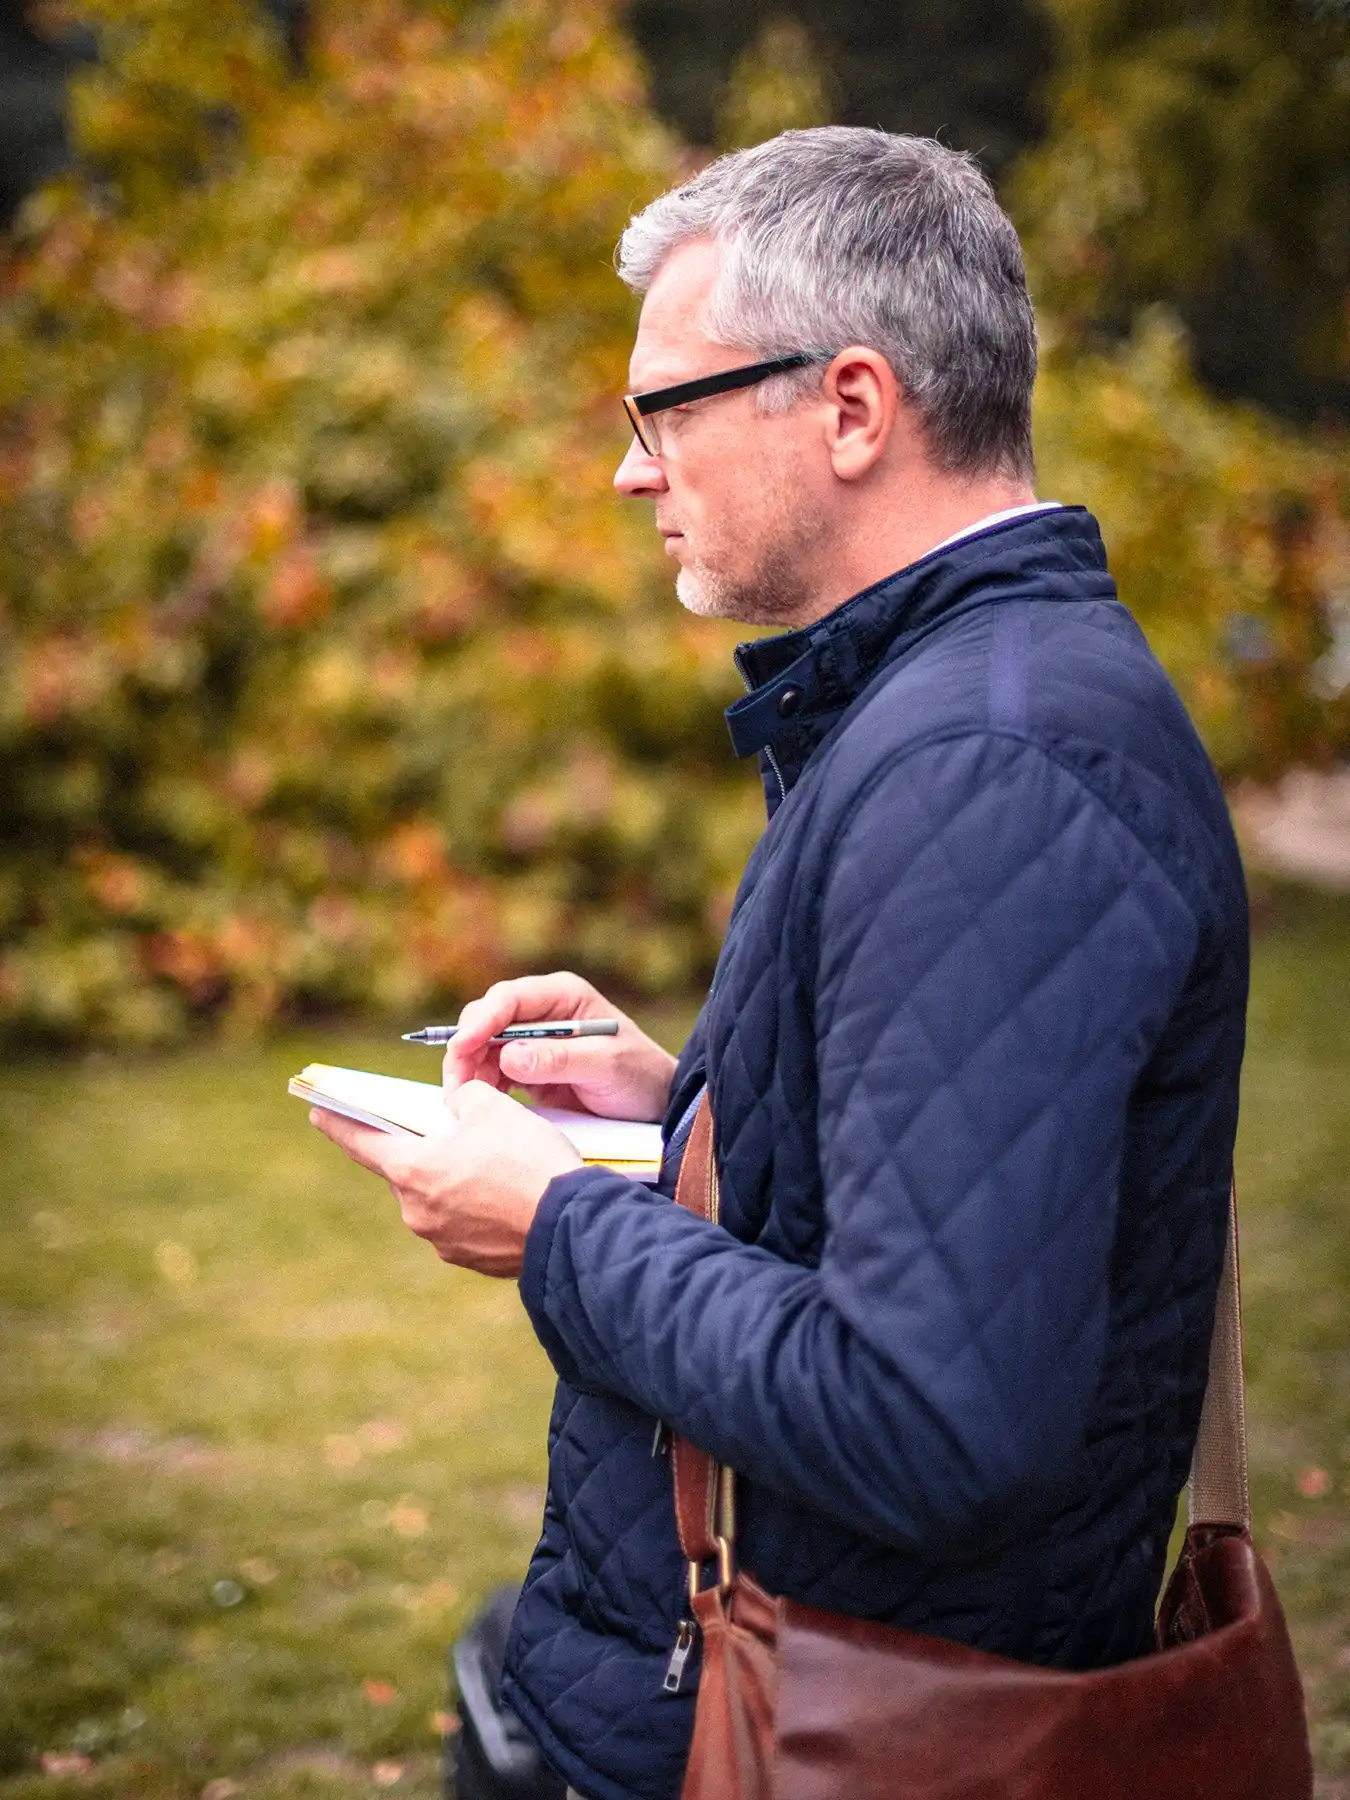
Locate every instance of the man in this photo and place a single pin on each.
(973, 1040)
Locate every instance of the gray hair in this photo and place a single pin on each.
(842, 235)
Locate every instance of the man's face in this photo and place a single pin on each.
(740, 496)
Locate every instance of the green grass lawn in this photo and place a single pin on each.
(261, 1454)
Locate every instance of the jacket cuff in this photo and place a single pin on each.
(534, 1271)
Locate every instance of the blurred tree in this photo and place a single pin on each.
(1210, 143)
(1189, 214)
(964, 70)
(778, 84)
(1227, 535)
(292, 16)
(1232, 119)
(41, 45)
(1201, 156)
(166, 102)
(332, 674)
(38, 50)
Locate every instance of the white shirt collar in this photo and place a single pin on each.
(997, 518)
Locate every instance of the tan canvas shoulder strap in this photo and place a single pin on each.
(1218, 1492)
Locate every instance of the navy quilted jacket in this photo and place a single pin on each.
(973, 1046)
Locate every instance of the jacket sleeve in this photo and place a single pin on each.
(998, 955)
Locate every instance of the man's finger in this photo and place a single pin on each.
(477, 1100)
(375, 1150)
(540, 1064)
(557, 995)
(503, 1004)
(560, 995)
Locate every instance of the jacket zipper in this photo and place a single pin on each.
(768, 748)
(773, 764)
(679, 1656)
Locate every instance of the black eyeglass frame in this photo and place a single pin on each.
(639, 407)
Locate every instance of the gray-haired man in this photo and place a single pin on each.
(973, 1041)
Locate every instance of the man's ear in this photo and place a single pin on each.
(863, 405)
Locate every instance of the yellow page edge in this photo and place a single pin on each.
(302, 1091)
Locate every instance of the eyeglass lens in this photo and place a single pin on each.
(644, 429)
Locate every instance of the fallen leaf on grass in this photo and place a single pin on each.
(61, 1763)
(386, 1774)
(436, 1597)
(1313, 1483)
(341, 1452)
(523, 1506)
(382, 1435)
(379, 1693)
(408, 1517)
(176, 1263)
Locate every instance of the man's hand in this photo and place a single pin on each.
(623, 1077)
(472, 1189)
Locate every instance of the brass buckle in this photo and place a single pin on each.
(726, 1571)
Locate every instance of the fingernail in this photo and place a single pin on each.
(523, 1060)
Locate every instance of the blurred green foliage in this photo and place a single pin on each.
(1200, 155)
(331, 673)
(968, 71)
(1185, 154)
(778, 83)
(1226, 533)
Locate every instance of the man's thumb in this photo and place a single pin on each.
(533, 1062)
(473, 1100)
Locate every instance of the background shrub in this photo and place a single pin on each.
(331, 673)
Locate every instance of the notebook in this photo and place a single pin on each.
(391, 1103)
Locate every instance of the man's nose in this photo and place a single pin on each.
(639, 474)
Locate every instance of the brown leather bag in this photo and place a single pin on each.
(799, 1704)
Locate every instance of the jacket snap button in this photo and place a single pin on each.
(788, 702)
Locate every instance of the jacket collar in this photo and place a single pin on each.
(802, 681)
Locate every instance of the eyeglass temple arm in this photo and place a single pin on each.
(683, 392)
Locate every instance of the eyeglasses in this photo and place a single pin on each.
(641, 407)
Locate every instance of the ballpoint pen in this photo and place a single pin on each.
(552, 1028)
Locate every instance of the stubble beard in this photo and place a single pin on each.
(774, 595)
(777, 591)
